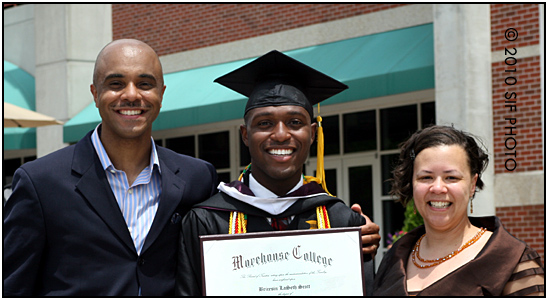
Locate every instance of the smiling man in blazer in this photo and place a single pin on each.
(102, 217)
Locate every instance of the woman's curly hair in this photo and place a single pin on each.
(436, 135)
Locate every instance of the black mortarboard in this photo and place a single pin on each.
(276, 79)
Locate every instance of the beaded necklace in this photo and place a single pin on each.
(415, 254)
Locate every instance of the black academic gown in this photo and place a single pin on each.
(212, 217)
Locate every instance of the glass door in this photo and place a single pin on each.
(356, 180)
(362, 182)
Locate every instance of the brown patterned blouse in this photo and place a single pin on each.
(505, 266)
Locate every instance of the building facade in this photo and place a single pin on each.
(479, 67)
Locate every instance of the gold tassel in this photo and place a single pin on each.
(320, 171)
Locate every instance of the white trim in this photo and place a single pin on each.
(198, 129)
(379, 102)
(519, 188)
(522, 52)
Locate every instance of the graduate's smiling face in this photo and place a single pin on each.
(279, 139)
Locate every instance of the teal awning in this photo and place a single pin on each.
(375, 65)
(19, 90)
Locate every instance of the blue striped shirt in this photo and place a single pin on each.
(139, 201)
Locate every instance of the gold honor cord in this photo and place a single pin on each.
(322, 217)
(238, 221)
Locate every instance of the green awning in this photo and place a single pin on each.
(382, 64)
(19, 90)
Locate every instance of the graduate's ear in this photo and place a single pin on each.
(243, 132)
(314, 129)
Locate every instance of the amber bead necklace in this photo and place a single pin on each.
(415, 254)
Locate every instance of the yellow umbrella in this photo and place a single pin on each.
(15, 116)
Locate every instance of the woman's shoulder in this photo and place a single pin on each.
(528, 276)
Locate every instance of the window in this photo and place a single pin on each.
(214, 148)
(184, 145)
(245, 158)
(392, 219)
(359, 131)
(428, 112)
(331, 135)
(361, 187)
(159, 142)
(224, 177)
(397, 124)
(388, 162)
(331, 181)
(8, 169)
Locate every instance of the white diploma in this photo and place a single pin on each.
(320, 262)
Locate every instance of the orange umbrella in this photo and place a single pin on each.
(15, 116)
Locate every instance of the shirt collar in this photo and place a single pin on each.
(262, 192)
(105, 160)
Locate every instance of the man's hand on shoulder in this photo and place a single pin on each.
(370, 233)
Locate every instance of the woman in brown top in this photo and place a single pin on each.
(452, 254)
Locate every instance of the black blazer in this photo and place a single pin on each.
(64, 233)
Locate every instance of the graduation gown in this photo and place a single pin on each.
(212, 217)
(485, 275)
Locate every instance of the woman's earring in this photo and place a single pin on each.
(471, 205)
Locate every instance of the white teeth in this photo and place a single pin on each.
(131, 112)
(280, 151)
(439, 204)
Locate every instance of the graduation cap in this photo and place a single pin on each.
(276, 79)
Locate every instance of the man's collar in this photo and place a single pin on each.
(103, 155)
